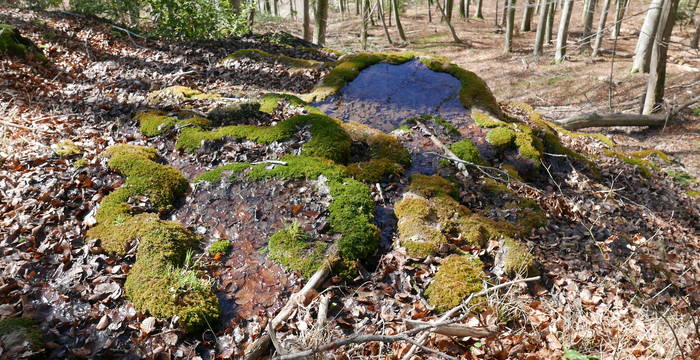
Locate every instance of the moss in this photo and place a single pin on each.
(500, 136)
(293, 248)
(404, 129)
(260, 55)
(413, 206)
(215, 175)
(457, 278)
(270, 102)
(374, 171)
(693, 193)
(14, 44)
(681, 177)
(486, 121)
(467, 151)
(418, 237)
(349, 67)
(516, 258)
(299, 167)
(80, 163)
(645, 167)
(66, 148)
(429, 186)
(643, 154)
(153, 123)
(381, 145)
(234, 113)
(220, 247)
(178, 92)
(20, 331)
(328, 139)
(449, 128)
(529, 146)
(474, 91)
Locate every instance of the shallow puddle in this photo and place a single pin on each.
(385, 95)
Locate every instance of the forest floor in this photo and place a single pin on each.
(619, 255)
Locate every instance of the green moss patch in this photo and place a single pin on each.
(270, 103)
(234, 113)
(260, 55)
(178, 92)
(295, 250)
(20, 332)
(14, 44)
(152, 284)
(328, 139)
(429, 186)
(515, 258)
(467, 151)
(219, 247)
(500, 136)
(387, 155)
(457, 278)
(154, 122)
(217, 174)
(66, 148)
(486, 121)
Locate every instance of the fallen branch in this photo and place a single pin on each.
(444, 148)
(260, 346)
(276, 162)
(456, 329)
(595, 119)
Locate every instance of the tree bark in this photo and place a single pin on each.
(526, 25)
(307, 34)
(563, 33)
(696, 36)
(381, 15)
(462, 9)
(541, 27)
(642, 52)
(365, 24)
(551, 11)
(449, 5)
(657, 68)
(588, 24)
(504, 16)
(620, 7)
(321, 20)
(510, 22)
(449, 24)
(601, 27)
(399, 28)
(430, 11)
(235, 6)
(479, 14)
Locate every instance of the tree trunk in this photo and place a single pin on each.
(251, 19)
(563, 33)
(292, 10)
(275, 7)
(479, 14)
(357, 7)
(642, 52)
(462, 9)
(495, 18)
(504, 16)
(306, 31)
(235, 6)
(466, 12)
(449, 5)
(510, 22)
(365, 24)
(620, 7)
(449, 24)
(541, 27)
(657, 69)
(696, 36)
(588, 24)
(601, 27)
(402, 35)
(380, 7)
(321, 20)
(527, 16)
(430, 11)
(551, 11)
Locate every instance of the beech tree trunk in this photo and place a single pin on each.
(380, 7)
(642, 52)
(562, 35)
(321, 20)
(235, 6)
(306, 31)
(527, 16)
(399, 28)
(620, 7)
(588, 24)
(462, 9)
(601, 27)
(696, 36)
(449, 24)
(541, 27)
(365, 24)
(657, 68)
(449, 5)
(551, 11)
(510, 22)
(430, 11)
(478, 14)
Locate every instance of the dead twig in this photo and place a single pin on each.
(456, 329)
(442, 146)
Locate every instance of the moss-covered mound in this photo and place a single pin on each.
(20, 332)
(259, 55)
(179, 93)
(328, 139)
(350, 214)
(458, 277)
(156, 284)
(154, 123)
(12, 43)
(386, 156)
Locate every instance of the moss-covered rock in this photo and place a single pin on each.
(500, 136)
(153, 282)
(12, 43)
(178, 92)
(467, 151)
(20, 332)
(217, 174)
(386, 154)
(66, 148)
(270, 102)
(154, 122)
(514, 258)
(457, 278)
(328, 139)
(221, 247)
(293, 248)
(429, 186)
(233, 114)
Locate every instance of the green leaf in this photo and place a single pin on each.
(572, 354)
